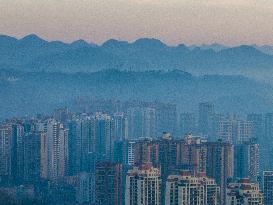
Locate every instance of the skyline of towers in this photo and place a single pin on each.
(71, 151)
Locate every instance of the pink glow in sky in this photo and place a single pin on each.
(229, 22)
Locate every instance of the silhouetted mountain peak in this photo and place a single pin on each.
(58, 43)
(7, 40)
(34, 53)
(267, 49)
(113, 43)
(243, 49)
(80, 43)
(182, 46)
(214, 46)
(32, 39)
(149, 43)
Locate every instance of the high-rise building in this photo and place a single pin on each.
(141, 122)
(167, 159)
(143, 186)
(242, 131)
(44, 156)
(85, 189)
(17, 151)
(31, 156)
(104, 137)
(167, 154)
(191, 154)
(268, 187)
(191, 190)
(257, 125)
(146, 151)
(219, 164)
(5, 150)
(109, 185)
(187, 124)
(54, 151)
(267, 143)
(234, 131)
(268, 125)
(131, 153)
(246, 161)
(166, 118)
(62, 115)
(121, 151)
(120, 123)
(244, 192)
(225, 130)
(81, 142)
(206, 116)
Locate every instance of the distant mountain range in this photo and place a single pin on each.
(34, 54)
(24, 93)
(38, 76)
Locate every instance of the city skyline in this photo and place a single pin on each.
(136, 102)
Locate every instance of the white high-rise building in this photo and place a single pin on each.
(131, 155)
(190, 190)
(244, 192)
(120, 126)
(243, 131)
(234, 131)
(225, 129)
(143, 186)
(54, 150)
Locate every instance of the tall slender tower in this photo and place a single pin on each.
(206, 114)
(109, 184)
(220, 164)
(268, 187)
(5, 150)
(54, 151)
(246, 161)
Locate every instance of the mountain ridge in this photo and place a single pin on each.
(32, 53)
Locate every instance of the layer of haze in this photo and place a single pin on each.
(229, 22)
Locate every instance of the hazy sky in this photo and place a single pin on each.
(173, 21)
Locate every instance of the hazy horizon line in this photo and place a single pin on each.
(131, 41)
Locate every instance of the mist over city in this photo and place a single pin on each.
(136, 102)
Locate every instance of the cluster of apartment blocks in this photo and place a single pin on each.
(82, 150)
(153, 165)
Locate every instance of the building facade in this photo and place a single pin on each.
(143, 186)
(186, 189)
